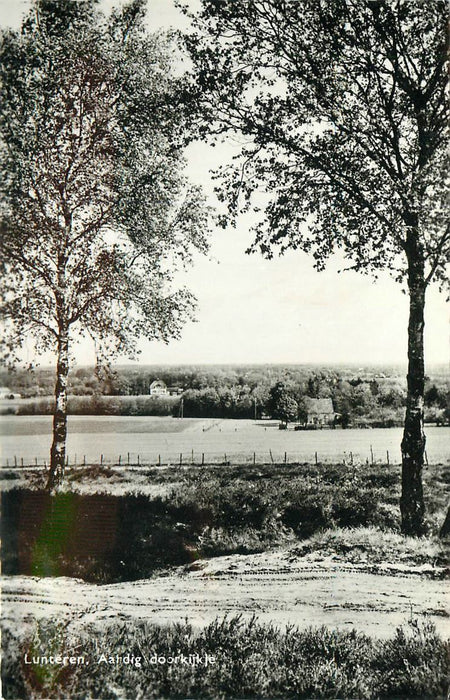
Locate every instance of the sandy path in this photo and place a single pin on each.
(272, 586)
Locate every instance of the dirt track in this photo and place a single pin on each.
(275, 587)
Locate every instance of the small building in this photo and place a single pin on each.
(158, 388)
(319, 412)
(175, 390)
(6, 393)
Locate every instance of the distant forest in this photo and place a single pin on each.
(360, 396)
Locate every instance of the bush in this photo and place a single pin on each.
(204, 512)
(250, 660)
(305, 518)
(100, 538)
(44, 406)
(96, 405)
(414, 663)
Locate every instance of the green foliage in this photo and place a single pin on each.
(371, 396)
(95, 216)
(250, 660)
(344, 139)
(344, 143)
(204, 512)
(38, 407)
(379, 546)
(414, 663)
(220, 402)
(437, 396)
(282, 404)
(102, 406)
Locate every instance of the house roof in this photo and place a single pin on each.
(157, 382)
(315, 406)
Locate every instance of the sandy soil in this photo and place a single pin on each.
(273, 586)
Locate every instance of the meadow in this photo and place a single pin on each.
(156, 439)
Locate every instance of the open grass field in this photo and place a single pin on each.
(151, 438)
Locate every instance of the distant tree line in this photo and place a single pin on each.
(358, 397)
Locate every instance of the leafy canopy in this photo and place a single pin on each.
(96, 216)
(342, 117)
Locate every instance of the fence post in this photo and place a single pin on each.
(84, 460)
(351, 458)
(387, 457)
(101, 459)
(426, 458)
(138, 460)
(159, 460)
(7, 462)
(285, 457)
(271, 456)
(371, 454)
(315, 457)
(120, 460)
(192, 456)
(254, 458)
(128, 458)
(21, 461)
(35, 461)
(15, 461)
(203, 458)
(181, 458)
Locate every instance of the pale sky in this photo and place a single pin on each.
(279, 311)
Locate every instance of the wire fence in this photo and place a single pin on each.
(199, 458)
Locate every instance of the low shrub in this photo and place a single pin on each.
(200, 512)
(251, 660)
(414, 663)
(44, 406)
(305, 517)
(100, 538)
(95, 405)
(8, 410)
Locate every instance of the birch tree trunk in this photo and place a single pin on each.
(445, 529)
(58, 449)
(413, 444)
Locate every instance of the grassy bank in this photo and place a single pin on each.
(207, 512)
(250, 660)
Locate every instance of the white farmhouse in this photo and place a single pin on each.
(158, 388)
